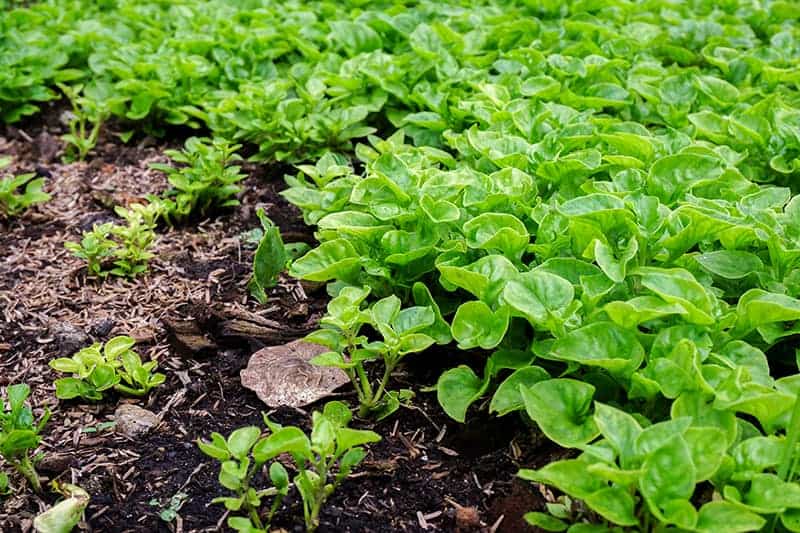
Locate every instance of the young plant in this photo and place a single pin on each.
(403, 331)
(269, 260)
(128, 244)
(322, 463)
(13, 202)
(95, 248)
(20, 434)
(89, 111)
(99, 368)
(207, 181)
(135, 238)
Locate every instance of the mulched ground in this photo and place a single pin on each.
(429, 473)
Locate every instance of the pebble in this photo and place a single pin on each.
(133, 421)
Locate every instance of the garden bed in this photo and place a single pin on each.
(428, 472)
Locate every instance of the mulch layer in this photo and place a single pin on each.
(428, 473)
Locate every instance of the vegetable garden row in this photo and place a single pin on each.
(596, 199)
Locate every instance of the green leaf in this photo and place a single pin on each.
(497, 231)
(614, 504)
(336, 259)
(730, 264)
(241, 440)
(475, 324)
(568, 476)
(285, 440)
(725, 517)
(561, 409)
(507, 397)
(540, 297)
(545, 521)
(457, 389)
(602, 344)
(668, 474)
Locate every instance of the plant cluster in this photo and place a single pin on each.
(102, 367)
(13, 198)
(19, 436)
(403, 331)
(127, 245)
(322, 462)
(207, 181)
(601, 195)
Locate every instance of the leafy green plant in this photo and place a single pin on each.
(135, 238)
(95, 248)
(403, 331)
(270, 259)
(20, 434)
(99, 368)
(13, 202)
(205, 182)
(127, 244)
(91, 107)
(323, 461)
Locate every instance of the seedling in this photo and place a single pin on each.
(20, 434)
(128, 245)
(322, 462)
(269, 260)
(95, 248)
(404, 331)
(205, 182)
(89, 112)
(169, 512)
(135, 238)
(99, 368)
(12, 201)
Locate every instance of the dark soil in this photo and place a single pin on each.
(428, 472)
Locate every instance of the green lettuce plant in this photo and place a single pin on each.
(20, 434)
(322, 461)
(15, 199)
(103, 367)
(403, 331)
(206, 181)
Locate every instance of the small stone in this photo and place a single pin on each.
(56, 463)
(69, 338)
(133, 421)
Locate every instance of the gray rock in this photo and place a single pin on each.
(133, 421)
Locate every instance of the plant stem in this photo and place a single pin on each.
(25, 467)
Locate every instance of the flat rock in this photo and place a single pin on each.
(134, 421)
(283, 375)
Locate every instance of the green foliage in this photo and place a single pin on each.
(322, 461)
(270, 259)
(20, 435)
(12, 200)
(127, 245)
(403, 331)
(100, 368)
(206, 182)
(91, 107)
(600, 194)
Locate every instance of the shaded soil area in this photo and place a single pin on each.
(428, 473)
